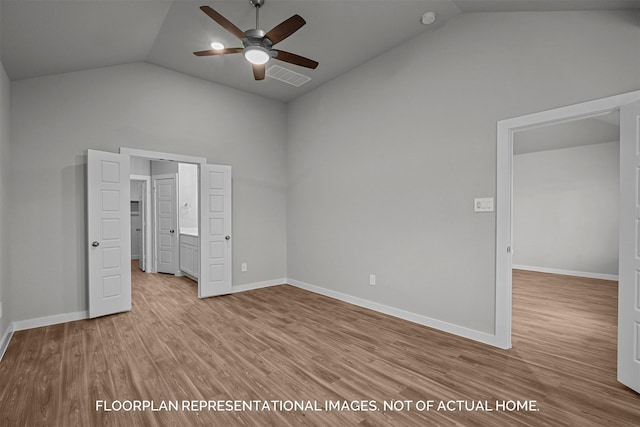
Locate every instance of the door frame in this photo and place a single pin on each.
(180, 158)
(147, 252)
(504, 192)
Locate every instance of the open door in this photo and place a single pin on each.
(629, 268)
(109, 233)
(215, 231)
(166, 236)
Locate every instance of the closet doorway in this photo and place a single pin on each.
(109, 227)
(140, 220)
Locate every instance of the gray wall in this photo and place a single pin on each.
(161, 168)
(565, 209)
(5, 284)
(188, 196)
(5, 287)
(56, 119)
(140, 166)
(382, 164)
(384, 161)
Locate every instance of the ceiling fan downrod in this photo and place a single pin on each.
(257, 4)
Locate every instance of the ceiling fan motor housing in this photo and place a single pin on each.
(257, 38)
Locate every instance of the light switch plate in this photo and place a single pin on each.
(483, 204)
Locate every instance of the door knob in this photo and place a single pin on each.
(227, 237)
(172, 231)
(95, 244)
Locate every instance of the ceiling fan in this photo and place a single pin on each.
(257, 44)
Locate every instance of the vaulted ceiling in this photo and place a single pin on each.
(55, 36)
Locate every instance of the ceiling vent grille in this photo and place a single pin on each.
(291, 77)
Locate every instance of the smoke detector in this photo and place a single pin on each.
(428, 18)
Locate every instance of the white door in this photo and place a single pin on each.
(629, 268)
(166, 236)
(215, 231)
(109, 235)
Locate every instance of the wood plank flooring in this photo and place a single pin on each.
(286, 344)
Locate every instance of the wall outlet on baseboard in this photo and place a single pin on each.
(243, 266)
(372, 279)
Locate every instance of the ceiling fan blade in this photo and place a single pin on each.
(224, 22)
(292, 58)
(285, 29)
(259, 71)
(218, 51)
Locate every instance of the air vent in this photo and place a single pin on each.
(291, 77)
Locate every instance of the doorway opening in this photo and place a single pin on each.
(171, 202)
(206, 209)
(168, 186)
(504, 192)
(629, 234)
(109, 227)
(139, 220)
(565, 242)
(566, 183)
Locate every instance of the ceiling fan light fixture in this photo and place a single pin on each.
(257, 55)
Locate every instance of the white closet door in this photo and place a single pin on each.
(109, 243)
(215, 231)
(166, 235)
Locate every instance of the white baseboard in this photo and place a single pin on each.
(461, 331)
(21, 325)
(49, 320)
(258, 285)
(565, 272)
(4, 342)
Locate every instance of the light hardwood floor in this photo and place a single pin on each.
(283, 343)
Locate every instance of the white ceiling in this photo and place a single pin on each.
(43, 37)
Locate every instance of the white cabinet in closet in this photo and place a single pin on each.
(189, 255)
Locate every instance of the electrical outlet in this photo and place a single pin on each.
(243, 266)
(372, 279)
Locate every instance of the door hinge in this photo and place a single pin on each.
(508, 249)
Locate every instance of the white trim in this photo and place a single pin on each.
(21, 325)
(479, 336)
(6, 338)
(504, 184)
(258, 285)
(565, 272)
